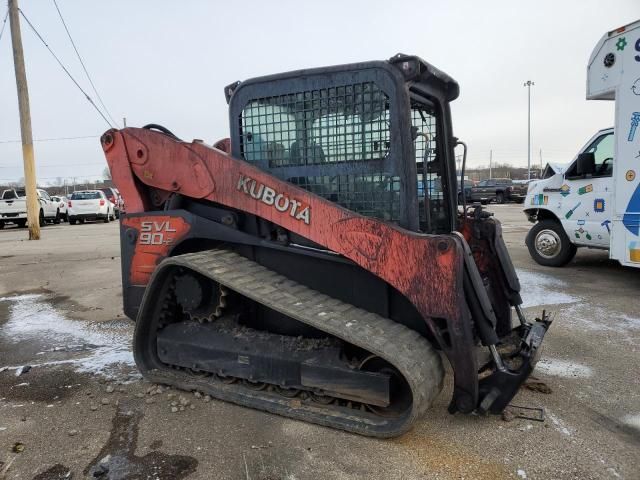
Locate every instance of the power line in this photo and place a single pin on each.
(81, 179)
(65, 69)
(17, 165)
(55, 139)
(82, 63)
(4, 23)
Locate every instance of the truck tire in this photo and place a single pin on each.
(500, 197)
(72, 221)
(56, 219)
(41, 218)
(549, 245)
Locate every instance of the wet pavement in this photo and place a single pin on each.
(82, 411)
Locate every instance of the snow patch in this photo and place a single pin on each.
(540, 289)
(603, 320)
(563, 368)
(559, 425)
(32, 318)
(521, 473)
(632, 420)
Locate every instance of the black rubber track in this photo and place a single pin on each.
(413, 356)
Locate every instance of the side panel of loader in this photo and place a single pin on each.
(389, 252)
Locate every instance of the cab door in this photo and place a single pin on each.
(586, 203)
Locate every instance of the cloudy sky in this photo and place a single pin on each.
(167, 62)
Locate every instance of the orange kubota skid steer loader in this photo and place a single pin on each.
(316, 264)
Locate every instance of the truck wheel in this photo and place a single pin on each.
(56, 220)
(500, 197)
(548, 244)
(42, 220)
(72, 221)
(107, 218)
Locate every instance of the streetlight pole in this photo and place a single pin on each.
(529, 84)
(490, 162)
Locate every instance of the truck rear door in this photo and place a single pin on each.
(12, 207)
(86, 202)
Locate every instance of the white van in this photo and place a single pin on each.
(595, 201)
(572, 208)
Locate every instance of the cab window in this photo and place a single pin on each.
(602, 149)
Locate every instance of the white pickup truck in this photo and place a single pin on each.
(595, 201)
(13, 208)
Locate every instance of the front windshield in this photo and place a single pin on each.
(340, 124)
(325, 127)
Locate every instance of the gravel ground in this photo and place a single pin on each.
(82, 411)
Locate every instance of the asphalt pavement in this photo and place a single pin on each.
(82, 411)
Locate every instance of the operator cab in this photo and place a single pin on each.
(373, 137)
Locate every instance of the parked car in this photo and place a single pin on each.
(13, 208)
(468, 184)
(115, 198)
(62, 207)
(90, 205)
(499, 190)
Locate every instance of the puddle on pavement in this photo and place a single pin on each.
(116, 460)
(34, 332)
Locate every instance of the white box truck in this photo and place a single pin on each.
(595, 200)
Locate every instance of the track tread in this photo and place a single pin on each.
(404, 348)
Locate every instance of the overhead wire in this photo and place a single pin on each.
(4, 23)
(65, 69)
(83, 65)
(55, 139)
(16, 165)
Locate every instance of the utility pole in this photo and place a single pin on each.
(33, 205)
(490, 162)
(124, 122)
(529, 84)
